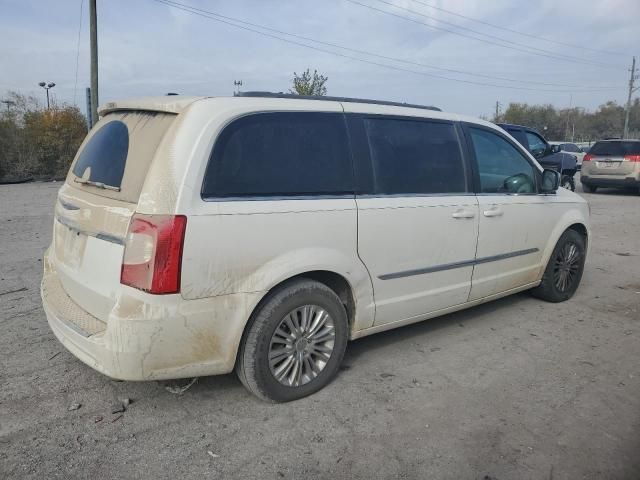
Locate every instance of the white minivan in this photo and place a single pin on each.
(198, 235)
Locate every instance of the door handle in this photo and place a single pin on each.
(493, 212)
(462, 213)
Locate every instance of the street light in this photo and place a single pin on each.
(47, 86)
(9, 104)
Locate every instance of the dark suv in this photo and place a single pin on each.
(549, 156)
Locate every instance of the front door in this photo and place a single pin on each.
(417, 217)
(515, 222)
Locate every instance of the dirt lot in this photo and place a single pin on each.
(515, 389)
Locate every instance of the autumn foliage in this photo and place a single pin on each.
(36, 142)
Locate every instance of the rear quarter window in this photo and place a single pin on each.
(114, 159)
(281, 154)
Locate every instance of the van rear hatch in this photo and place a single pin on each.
(96, 203)
(614, 157)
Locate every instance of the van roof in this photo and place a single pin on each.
(177, 103)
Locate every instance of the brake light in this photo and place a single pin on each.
(153, 253)
(587, 158)
(632, 158)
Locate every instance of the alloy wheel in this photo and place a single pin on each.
(566, 266)
(301, 345)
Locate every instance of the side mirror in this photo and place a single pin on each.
(556, 148)
(550, 181)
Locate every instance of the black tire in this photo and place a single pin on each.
(568, 182)
(253, 367)
(589, 188)
(551, 288)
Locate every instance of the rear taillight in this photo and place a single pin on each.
(587, 158)
(632, 158)
(153, 253)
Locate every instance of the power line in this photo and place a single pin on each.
(531, 51)
(395, 59)
(235, 23)
(506, 29)
(500, 39)
(75, 85)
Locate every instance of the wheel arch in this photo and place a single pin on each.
(335, 281)
(574, 219)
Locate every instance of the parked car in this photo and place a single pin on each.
(571, 149)
(549, 156)
(195, 236)
(612, 163)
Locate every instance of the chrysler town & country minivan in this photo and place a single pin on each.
(261, 233)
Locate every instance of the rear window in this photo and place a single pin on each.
(281, 154)
(115, 157)
(615, 149)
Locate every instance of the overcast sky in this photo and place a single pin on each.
(149, 48)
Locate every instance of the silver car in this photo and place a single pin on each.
(612, 163)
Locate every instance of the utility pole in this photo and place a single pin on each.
(632, 79)
(566, 130)
(497, 117)
(93, 35)
(88, 100)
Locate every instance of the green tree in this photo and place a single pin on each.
(309, 83)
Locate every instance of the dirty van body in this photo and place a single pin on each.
(194, 236)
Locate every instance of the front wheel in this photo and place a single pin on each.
(568, 183)
(295, 343)
(564, 271)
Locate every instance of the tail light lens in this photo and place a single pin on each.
(587, 158)
(153, 253)
(632, 158)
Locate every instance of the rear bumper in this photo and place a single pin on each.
(610, 181)
(169, 338)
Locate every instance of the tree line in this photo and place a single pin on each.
(41, 143)
(36, 142)
(574, 124)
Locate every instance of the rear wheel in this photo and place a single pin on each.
(564, 270)
(589, 188)
(295, 344)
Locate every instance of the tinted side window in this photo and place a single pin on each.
(537, 146)
(518, 135)
(414, 157)
(501, 167)
(284, 153)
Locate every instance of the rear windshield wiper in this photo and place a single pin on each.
(97, 184)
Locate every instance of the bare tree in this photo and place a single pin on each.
(309, 83)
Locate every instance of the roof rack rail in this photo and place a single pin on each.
(332, 99)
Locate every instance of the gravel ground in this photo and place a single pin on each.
(514, 389)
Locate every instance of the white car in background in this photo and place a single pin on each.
(572, 149)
